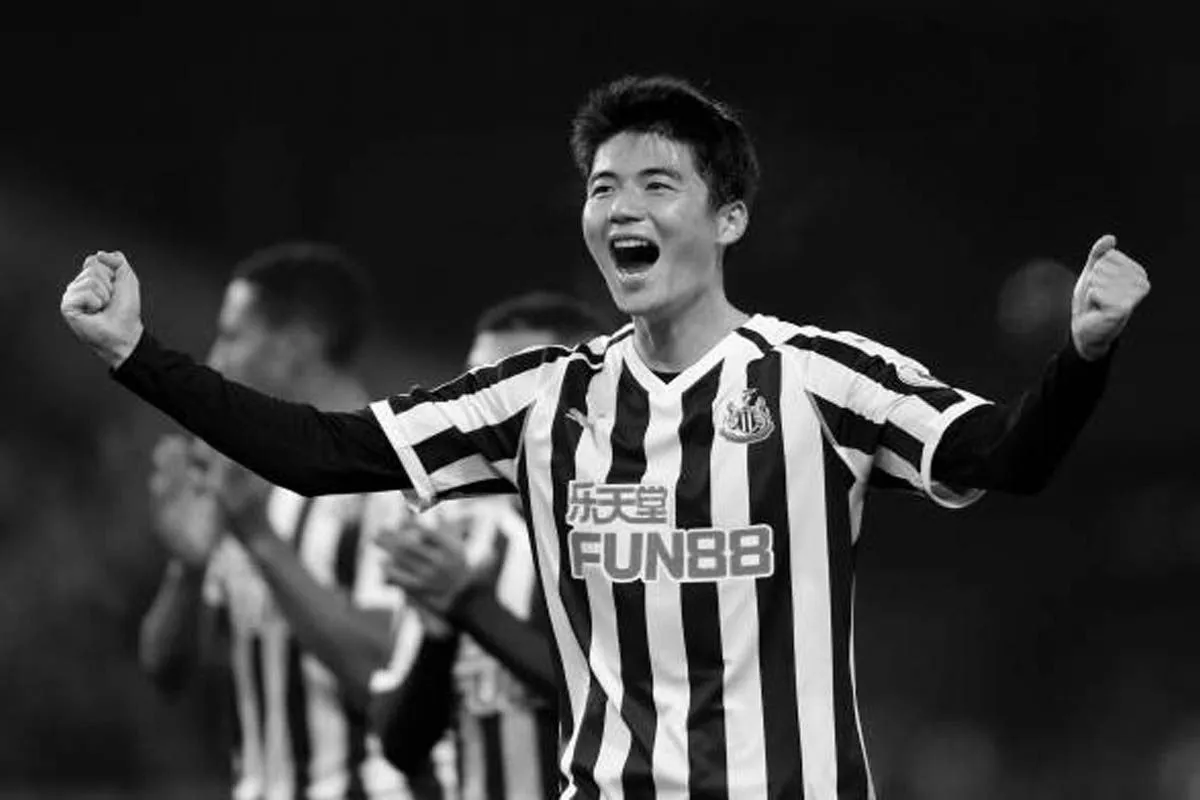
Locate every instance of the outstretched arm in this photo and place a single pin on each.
(292, 445)
(1017, 446)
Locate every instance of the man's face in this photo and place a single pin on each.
(247, 349)
(649, 227)
(491, 346)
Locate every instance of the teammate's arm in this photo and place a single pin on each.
(185, 521)
(412, 702)
(352, 642)
(168, 645)
(517, 644)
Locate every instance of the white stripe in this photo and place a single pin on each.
(518, 743)
(537, 448)
(593, 458)
(802, 441)
(745, 745)
(408, 459)
(472, 469)
(664, 620)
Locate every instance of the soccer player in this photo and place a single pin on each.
(468, 563)
(297, 586)
(693, 483)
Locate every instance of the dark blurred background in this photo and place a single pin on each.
(933, 178)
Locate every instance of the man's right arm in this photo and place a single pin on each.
(169, 643)
(292, 445)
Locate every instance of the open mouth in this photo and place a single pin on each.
(633, 254)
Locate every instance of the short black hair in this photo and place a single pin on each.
(314, 284)
(570, 320)
(675, 109)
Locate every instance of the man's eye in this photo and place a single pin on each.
(658, 186)
(599, 190)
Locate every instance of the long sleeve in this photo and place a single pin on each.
(292, 445)
(517, 644)
(413, 711)
(1017, 446)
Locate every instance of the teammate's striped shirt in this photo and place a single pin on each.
(296, 737)
(504, 735)
(694, 538)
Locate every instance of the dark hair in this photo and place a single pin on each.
(570, 320)
(314, 284)
(672, 108)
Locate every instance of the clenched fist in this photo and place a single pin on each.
(1109, 289)
(103, 307)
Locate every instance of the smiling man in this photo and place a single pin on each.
(693, 483)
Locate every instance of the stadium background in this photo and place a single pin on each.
(930, 176)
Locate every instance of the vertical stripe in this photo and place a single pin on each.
(698, 600)
(664, 617)
(547, 748)
(738, 600)
(297, 720)
(628, 466)
(593, 459)
(777, 655)
(547, 717)
(804, 437)
(345, 572)
(852, 783)
(296, 696)
(519, 753)
(493, 757)
(580, 754)
(258, 669)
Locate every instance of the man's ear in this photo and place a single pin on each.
(732, 221)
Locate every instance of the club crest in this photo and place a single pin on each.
(745, 418)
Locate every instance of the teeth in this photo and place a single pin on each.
(630, 242)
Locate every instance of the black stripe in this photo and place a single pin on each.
(564, 439)
(876, 368)
(776, 644)
(629, 599)
(539, 616)
(493, 757)
(699, 602)
(296, 693)
(849, 429)
(258, 676)
(301, 523)
(490, 486)
(345, 565)
(297, 720)
(494, 442)
(480, 379)
(345, 572)
(859, 433)
(547, 749)
(851, 763)
(756, 338)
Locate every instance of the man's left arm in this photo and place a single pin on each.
(1016, 447)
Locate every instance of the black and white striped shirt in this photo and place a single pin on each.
(296, 737)
(694, 538)
(695, 541)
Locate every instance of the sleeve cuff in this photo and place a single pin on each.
(940, 493)
(408, 458)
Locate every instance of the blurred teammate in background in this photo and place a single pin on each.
(468, 563)
(291, 584)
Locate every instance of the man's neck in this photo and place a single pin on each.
(674, 342)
